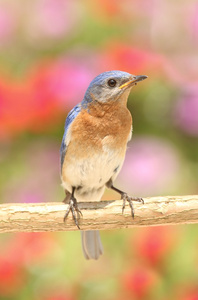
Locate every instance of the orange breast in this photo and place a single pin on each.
(112, 119)
(103, 126)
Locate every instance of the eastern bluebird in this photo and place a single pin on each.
(94, 145)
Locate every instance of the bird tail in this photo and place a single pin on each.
(91, 244)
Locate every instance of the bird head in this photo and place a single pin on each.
(109, 86)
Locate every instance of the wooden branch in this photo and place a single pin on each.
(99, 215)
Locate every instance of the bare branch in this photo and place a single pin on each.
(99, 215)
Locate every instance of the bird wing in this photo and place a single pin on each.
(70, 118)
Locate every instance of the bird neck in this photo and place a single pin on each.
(99, 109)
(90, 101)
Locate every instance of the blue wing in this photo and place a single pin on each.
(71, 116)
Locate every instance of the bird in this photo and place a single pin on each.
(93, 148)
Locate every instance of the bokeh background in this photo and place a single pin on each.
(49, 52)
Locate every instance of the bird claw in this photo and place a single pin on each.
(130, 200)
(73, 207)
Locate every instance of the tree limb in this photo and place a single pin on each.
(23, 217)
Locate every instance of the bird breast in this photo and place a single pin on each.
(97, 148)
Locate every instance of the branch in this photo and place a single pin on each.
(99, 215)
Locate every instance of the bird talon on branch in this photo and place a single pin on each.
(130, 200)
(73, 207)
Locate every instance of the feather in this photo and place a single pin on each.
(91, 244)
(65, 141)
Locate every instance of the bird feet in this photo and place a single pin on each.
(125, 197)
(73, 207)
(130, 200)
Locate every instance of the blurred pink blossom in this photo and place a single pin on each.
(186, 111)
(49, 90)
(194, 21)
(120, 56)
(51, 19)
(151, 167)
(7, 24)
(28, 248)
(66, 80)
(12, 277)
(140, 281)
(122, 12)
(153, 244)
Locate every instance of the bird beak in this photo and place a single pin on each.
(133, 81)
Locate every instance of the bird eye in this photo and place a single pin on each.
(112, 82)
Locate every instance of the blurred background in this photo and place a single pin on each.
(50, 50)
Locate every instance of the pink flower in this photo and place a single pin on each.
(154, 243)
(47, 92)
(65, 80)
(194, 22)
(29, 248)
(186, 111)
(12, 277)
(50, 19)
(7, 24)
(151, 167)
(121, 12)
(118, 56)
(140, 281)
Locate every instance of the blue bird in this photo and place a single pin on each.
(94, 146)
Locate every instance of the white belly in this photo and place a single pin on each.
(89, 175)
